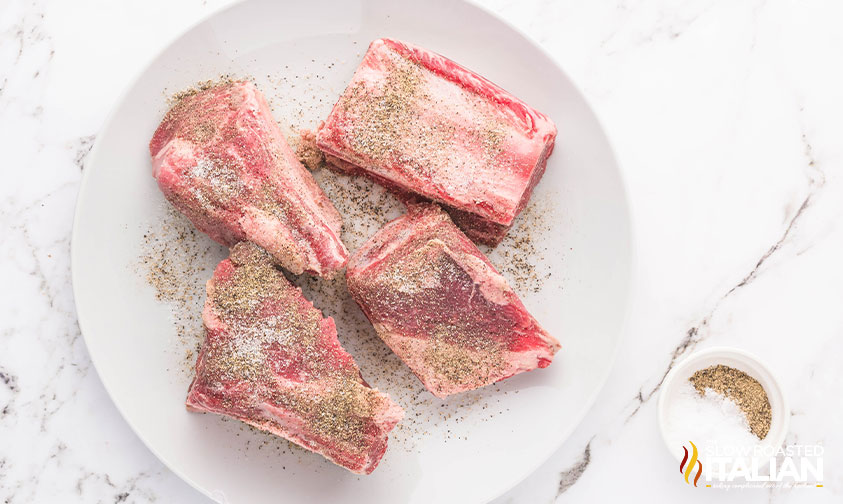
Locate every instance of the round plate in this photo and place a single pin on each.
(569, 257)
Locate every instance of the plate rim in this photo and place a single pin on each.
(632, 262)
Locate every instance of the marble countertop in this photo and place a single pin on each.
(726, 117)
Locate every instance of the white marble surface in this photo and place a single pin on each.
(727, 119)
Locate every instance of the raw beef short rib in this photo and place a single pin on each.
(418, 120)
(441, 306)
(271, 360)
(220, 158)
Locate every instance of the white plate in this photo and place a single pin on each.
(475, 446)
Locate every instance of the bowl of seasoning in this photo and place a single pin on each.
(726, 402)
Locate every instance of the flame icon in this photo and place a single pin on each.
(687, 470)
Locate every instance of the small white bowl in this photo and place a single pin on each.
(738, 359)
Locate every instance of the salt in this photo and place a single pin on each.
(713, 422)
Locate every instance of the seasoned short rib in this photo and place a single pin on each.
(271, 360)
(429, 126)
(441, 306)
(221, 159)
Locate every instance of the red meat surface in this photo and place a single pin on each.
(431, 127)
(220, 158)
(441, 306)
(271, 360)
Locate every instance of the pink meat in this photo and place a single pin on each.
(220, 158)
(431, 127)
(441, 306)
(271, 360)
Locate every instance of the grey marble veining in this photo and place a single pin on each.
(725, 117)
